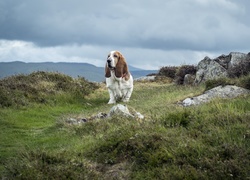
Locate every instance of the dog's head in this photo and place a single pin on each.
(113, 59)
(116, 62)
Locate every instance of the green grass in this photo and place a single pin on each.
(211, 141)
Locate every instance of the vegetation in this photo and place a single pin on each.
(182, 71)
(211, 141)
(243, 81)
(177, 73)
(41, 87)
(168, 71)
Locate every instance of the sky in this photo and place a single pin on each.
(149, 33)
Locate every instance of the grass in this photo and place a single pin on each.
(243, 81)
(211, 141)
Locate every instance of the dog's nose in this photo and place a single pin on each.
(109, 61)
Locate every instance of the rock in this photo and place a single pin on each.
(237, 58)
(228, 91)
(188, 102)
(120, 109)
(223, 60)
(146, 78)
(188, 79)
(231, 60)
(139, 115)
(220, 66)
(101, 115)
(209, 69)
(73, 121)
(83, 120)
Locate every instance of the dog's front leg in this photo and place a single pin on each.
(112, 95)
(127, 94)
(111, 90)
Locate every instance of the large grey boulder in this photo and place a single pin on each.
(209, 69)
(237, 58)
(232, 60)
(220, 66)
(228, 91)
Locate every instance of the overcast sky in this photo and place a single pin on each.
(149, 33)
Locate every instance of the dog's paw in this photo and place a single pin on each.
(111, 102)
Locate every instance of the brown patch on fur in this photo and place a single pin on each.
(107, 71)
(121, 69)
(126, 76)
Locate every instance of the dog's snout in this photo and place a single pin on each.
(109, 61)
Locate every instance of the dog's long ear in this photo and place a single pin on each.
(121, 67)
(107, 71)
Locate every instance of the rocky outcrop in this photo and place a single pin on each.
(209, 69)
(228, 91)
(122, 110)
(116, 110)
(220, 66)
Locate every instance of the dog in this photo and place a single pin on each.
(119, 80)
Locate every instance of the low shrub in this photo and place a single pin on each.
(176, 119)
(212, 83)
(39, 164)
(244, 81)
(5, 99)
(168, 71)
(41, 86)
(182, 71)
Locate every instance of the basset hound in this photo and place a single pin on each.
(119, 81)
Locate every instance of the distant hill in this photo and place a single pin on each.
(88, 71)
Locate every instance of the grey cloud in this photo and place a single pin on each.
(153, 32)
(193, 24)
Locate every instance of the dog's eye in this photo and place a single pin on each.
(115, 56)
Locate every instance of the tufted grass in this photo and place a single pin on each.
(243, 81)
(210, 141)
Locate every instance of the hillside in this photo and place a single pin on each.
(88, 71)
(210, 141)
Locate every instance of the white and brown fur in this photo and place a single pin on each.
(119, 81)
